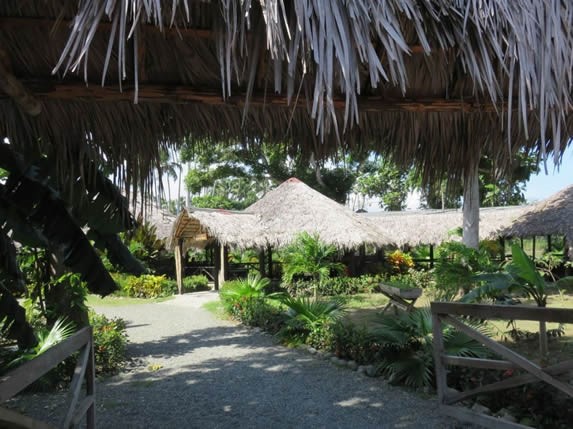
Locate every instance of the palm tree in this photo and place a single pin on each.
(307, 255)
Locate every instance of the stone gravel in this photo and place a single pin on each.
(191, 369)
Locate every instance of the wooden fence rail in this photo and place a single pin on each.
(24, 375)
(444, 312)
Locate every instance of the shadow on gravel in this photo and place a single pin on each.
(239, 378)
(179, 345)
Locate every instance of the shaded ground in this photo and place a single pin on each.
(193, 370)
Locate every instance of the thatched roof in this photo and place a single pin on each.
(437, 81)
(294, 207)
(435, 226)
(275, 220)
(553, 215)
(200, 227)
(157, 217)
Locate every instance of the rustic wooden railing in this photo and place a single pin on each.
(443, 312)
(24, 375)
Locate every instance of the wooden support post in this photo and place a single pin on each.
(262, 267)
(549, 243)
(179, 265)
(533, 249)
(217, 264)
(431, 256)
(226, 269)
(502, 244)
(270, 254)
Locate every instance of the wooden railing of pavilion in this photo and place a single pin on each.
(446, 312)
(24, 375)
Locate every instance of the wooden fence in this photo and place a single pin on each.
(443, 312)
(24, 375)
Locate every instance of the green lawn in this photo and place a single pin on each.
(117, 301)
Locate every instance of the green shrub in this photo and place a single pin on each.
(355, 343)
(148, 286)
(399, 262)
(258, 312)
(406, 343)
(334, 286)
(110, 341)
(457, 266)
(244, 300)
(416, 279)
(194, 283)
(309, 320)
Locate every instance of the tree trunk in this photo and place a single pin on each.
(471, 207)
(61, 299)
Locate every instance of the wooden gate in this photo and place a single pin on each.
(444, 312)
(21, 377)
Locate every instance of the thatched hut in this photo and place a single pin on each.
(551, 216)
(272, 222)
(433, 227)
(294, 207)
(200, 228)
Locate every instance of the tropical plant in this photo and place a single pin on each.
(407, 346)
(399, 262)
(457, 265)
(251, 287)
(110, 342)
(309, 320)
(194, 283)
(47, 339)
(148, 286)
(520, 275)
(307, 255)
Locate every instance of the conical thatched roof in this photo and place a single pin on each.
(436, 81)
(201, 227)
(553, 215)
(435, 226)
(294, 207)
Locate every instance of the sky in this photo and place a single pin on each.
(543, 185)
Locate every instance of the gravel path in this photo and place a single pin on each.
(197, 371)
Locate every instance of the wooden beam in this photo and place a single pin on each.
(504, 312)
(15, 89)
(179, 94)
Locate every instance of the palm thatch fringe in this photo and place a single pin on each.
(294, 207)
(439, 82)
(522, 46)
(550, 216)
(201, 227)
(275, 220)
(413, 228)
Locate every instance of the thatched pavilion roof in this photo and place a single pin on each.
(434, 81)
(551, 216)
(200, 227)
(435, 226)
(275, 220)
(294, 207)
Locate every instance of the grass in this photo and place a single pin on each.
(216, 308)
(119, 301)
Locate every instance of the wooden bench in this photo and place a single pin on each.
(401, 298)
